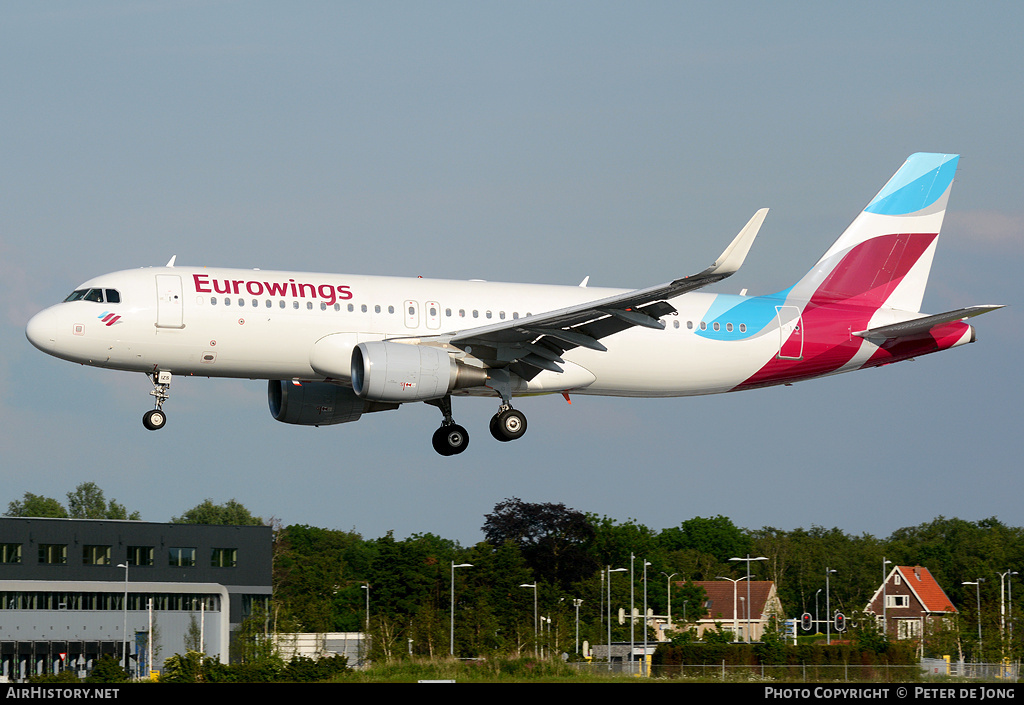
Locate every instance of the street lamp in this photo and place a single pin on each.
(643, 667)
(451, 636)
(366, 633)
(668, 589)
(124, 629)
(828, 608)
(817, 620)
(632, 611)
(735, 599)
(748, 559)
(611, 570)
(885, 580)
(977, 589)
(536, 637)
(576, 603)
(1002, 602)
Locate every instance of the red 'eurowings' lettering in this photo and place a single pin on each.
(330, 293)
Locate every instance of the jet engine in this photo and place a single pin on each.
(317, 403)
(399, 372)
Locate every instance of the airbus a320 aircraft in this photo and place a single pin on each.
(335, 347)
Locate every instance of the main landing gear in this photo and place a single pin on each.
(155, 419)
(508, 424)
(451, 438)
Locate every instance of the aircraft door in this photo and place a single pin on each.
(169, 303)
(791, 332)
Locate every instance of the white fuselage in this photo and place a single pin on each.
(264, 324)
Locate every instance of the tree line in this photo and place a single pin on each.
(324, 579)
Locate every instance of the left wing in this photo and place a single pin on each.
(534, 343)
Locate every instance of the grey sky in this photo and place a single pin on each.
(538, 142)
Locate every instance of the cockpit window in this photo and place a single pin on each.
(113, 296)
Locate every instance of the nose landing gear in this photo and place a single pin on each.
(155, 419)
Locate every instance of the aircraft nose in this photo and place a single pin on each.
(41, 330)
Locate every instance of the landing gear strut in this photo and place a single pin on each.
(155, 419)
(450, 438)
(508, 424)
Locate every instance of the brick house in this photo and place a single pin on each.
(912, 599)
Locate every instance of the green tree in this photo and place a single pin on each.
(318, 575)
(554, 539)
(34, 505)
(107, 670)
(88, 502)
(231, 513)
(717, 536)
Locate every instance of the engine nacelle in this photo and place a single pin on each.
(400, 372)
(313, 403)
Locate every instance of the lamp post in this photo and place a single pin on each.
(748, 559)
(828, 608)
(611, 570)
(536, 637)
(576, 603)
(817, 621)
(735, 599)
(1002, 602)
(885, 581)
(366, 631)
(668, 589)
(451, 635)
(632, 612)
(977, 589)
(124, 628)
(643, 667)
(1009, 595)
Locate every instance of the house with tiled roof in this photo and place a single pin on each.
(908, 600)
(727, 604)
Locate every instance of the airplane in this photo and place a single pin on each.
(334, 347)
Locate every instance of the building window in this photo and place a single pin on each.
(140, 555)
(908, 629)
(53, 553)
(95, 555)
(182, 557)
(10, 553)
(897, 600)
(224, 558)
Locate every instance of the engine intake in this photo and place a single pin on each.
(314, 403)
(399, 372)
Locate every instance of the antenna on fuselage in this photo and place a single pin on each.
(170, 262)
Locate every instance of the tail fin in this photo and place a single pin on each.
(884, 257)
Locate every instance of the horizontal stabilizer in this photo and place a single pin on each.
(922, 325)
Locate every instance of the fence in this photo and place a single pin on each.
(815, 673)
